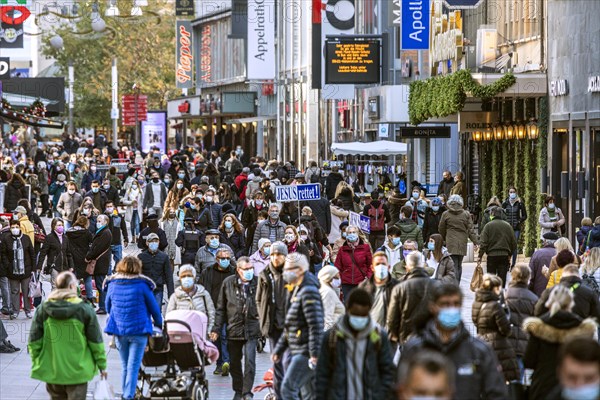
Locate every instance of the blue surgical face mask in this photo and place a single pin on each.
(381, 271)
(95, 190)
(551, 206)
(192, 206)
(248, 274)
(352, 237)
(224, 263)
(585, 392)
(267, 250)
(228, 224)
(395, 241)
(187, 282)
(435, 208)
(344, 235)
(153, 247)
(214, 243)
(512, 196)
(181, 175)
(431, 246)
(358, 323)
(449, 317)
(415, 195)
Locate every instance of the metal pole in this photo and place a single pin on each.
(71, 98)
(115, 103)
(137, 125)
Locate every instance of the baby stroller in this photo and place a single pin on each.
(268, 378)
(178, 359)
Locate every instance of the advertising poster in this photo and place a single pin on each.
(154, 131)
(261, 39)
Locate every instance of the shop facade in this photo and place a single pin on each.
(574, 89)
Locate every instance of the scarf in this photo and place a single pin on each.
(551, 213)
(18, 257)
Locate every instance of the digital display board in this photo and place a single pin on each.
(352, 61)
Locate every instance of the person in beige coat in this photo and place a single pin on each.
(333, 308)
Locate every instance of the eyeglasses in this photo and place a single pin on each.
(223, 258)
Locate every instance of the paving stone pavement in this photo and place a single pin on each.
(15, 382)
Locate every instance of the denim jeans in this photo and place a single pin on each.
(298, 379)
(158, 295)
(458, 259)
(135, 223)
(68, 225)
(221, 344)
(131, 349)
(278, 367)
(242, 380)
(514, 255)
(346, 289)
(99, 279)
(5, 292)
(117, 253)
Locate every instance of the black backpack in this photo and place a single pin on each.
(590, 281)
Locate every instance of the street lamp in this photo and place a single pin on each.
(112, 10)
(477, 136)
(498, 131)
(521, 132)
(532, 130)
(510, 132)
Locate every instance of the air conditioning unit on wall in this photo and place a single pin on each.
(487, 49)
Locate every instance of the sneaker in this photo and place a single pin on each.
(8, 344)
(14, 316)
(5, 311)
(5, 349)
(217, 371)
(28, 314)
(225, 369)
(100, 312)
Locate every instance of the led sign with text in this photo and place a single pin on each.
(352, 62)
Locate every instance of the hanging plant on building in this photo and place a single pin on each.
(506, 181)
(530, 199)
(441, 96)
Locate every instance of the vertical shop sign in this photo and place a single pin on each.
(261, 39)
(185, 56)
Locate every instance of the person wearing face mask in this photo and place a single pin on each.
(256, 205)
(294, 243)
(113, 179)
(432, 218)
(272, 228)
(353, 261)
(459, 188)
(303, 329)
(92, 175)
(189, 240)
(232, 234)
(155, 195)
(133, 208)
(110, 191)
(20, 214)
(156, 166)
(170, 224)
(409, 230)
(196, 210)
(578, 371)
(446, 184)
(355, 361)
(419, 205)
(56, 251)
(498, 241)
(214, 208)
(118, 228)
(551, 218)
(192, 296)
(493, 325)
(406, 314)
(380, 286)
(546, 335)
(487, 213)
(333, 308)
(177, 193)
(426, 375)
(438, 260)
(475, 365)
(17, 262)
(99, 251)
(206, 255)
(57, 188)
(153, 227)
(69, 203)
(393, 246)
(156, 266)
(98, 196)
(516, 215)
(238, 312)
(212, 279)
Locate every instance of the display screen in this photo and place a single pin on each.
(352, 61)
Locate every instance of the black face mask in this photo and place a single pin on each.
(155, 180)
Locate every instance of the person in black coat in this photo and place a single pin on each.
(17, 262)
(321, 211)
(231, 233)
(15, 191)
(431, 221)
(189, 240)
(152, 221)
(57, 250)
(80, 239)
(157, 266)
(99, 251)
(111, 192)
(332, 181)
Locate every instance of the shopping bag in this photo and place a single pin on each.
(35, 286)
(477, 279)
(104, 390)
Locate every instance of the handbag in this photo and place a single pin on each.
(38, 234)
(35, 286)
(477, 279)
(91, 265)
(103, 390)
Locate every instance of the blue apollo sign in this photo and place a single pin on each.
(415, 24)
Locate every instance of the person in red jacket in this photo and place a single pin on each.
(353, 261)
(240, 183)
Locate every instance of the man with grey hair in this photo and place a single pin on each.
(272, 228)
(236, 307)
(540, 261)
(212, 279)
(407, 310)
(304, 323)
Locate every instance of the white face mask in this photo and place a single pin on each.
(336, 283)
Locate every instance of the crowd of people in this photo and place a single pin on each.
(347, 315)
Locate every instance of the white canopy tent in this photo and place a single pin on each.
(378, 148)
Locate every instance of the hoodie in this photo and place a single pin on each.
(409, 230)
(76, 357)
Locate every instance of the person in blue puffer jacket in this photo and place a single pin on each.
(130, 318)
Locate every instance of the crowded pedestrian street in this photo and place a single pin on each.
(300, 200)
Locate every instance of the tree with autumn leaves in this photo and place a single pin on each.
(143, 46)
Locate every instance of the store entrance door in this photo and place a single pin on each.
(595, 172)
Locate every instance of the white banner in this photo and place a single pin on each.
(261, 39)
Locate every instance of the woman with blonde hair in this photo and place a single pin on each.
(176, 194)
(345, 194)
(546, 334)
(560, 245)
(591, 266)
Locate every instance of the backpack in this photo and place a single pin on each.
(315, 176)
(590, 281)
(377, 217)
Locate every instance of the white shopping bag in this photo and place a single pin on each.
(104, 390)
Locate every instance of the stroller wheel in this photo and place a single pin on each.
(270, 396)
(199, 392)
(260, 345)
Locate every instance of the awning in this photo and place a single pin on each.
(250, 119)
(378, 148)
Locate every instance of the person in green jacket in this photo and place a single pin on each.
(498, 242)
(65, 342)
(409, 230)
